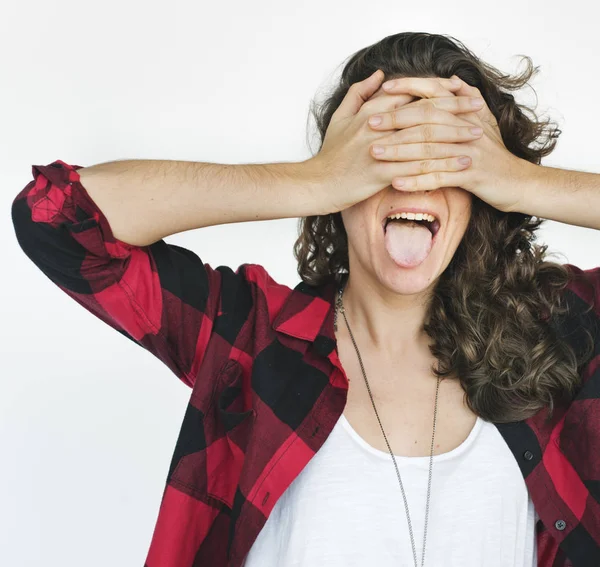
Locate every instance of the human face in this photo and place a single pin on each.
(365, 221)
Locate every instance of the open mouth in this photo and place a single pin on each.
(427, 220)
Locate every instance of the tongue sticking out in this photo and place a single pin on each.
(408, 243)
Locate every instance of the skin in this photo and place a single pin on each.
(386, 303)
(385, 306)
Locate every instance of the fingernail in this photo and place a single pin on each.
(375, 120)
(476, 131)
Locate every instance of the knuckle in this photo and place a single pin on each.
(428, 150)
(365, 107)
(362, 116)
(464, 103)
(426, 132)
(426, 166)
(395, 137)
(399, 137)
(427, 108)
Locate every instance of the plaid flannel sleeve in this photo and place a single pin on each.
(161, 296)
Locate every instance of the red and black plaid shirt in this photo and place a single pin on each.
(266, 383)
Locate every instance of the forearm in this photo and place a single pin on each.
(146, 200)
(563, 195)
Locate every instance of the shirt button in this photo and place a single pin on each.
(560, 525)
(528, 455)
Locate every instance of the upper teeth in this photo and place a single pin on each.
(413, 216)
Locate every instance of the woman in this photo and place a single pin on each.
(427, 393)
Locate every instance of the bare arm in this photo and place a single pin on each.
(146, 200)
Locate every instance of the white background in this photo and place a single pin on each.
(89, 420)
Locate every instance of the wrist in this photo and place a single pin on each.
(317, 187)
(531, 179)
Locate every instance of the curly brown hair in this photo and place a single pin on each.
(491, 313)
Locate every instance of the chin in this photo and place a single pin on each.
(406, 281)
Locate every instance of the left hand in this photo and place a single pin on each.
(495, 175)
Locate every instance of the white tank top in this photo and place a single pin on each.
(346, 508)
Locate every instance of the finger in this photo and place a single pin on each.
(438, 133)
(430, 181)
(455, 104)
(357, 94)
(483, 112)
(419, 168)
(467, 89)
(421, 112)
(382, 102)
(418, 151)
(424, 87)
(386, 101)
(435, 110)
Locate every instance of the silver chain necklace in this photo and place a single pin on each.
(340, 308)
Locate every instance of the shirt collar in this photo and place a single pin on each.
(307, 313)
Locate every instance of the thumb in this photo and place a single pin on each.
(358, 94)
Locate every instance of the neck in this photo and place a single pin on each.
(391, 322)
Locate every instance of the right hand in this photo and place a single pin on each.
(344, 166)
